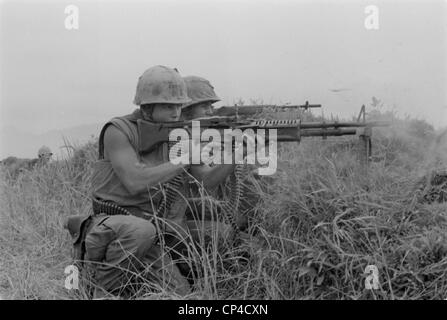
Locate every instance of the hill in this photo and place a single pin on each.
(19, 143)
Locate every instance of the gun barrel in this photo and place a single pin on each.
(276, 106)
(288, 134)
(328, 132)
(336, 124)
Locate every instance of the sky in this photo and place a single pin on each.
(270, 51)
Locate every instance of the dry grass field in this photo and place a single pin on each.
(319, 219)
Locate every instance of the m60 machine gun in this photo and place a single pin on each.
(287, 130)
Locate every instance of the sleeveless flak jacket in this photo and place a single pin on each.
(105, 183)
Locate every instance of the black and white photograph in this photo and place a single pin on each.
(234, 152)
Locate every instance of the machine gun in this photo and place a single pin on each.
(152, 134)
(254, 109)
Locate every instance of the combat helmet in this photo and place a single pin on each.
(199, 90)
(160, 84)
(44, 151)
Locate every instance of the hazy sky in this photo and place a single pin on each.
(277, 51)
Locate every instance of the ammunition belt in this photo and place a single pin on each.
(108, 208)
(172, 187)
(231, 206)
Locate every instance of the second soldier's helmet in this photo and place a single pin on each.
(199, 90)
(44, 150)
(161, 84)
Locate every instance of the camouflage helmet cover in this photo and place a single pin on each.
(199, 90)
(160, 84)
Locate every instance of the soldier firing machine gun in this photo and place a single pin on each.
(287, 131)
(152, 134)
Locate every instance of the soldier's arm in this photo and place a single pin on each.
(212, 176)
(135, 176)
(209, 176)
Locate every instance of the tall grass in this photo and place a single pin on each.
(318, 223)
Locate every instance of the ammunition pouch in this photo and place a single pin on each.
(78, 227)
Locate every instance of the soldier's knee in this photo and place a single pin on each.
(137, 231)
(145, 232)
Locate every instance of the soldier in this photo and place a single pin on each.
(120, 238)
(44, 155)
(203, 96)
(16, 166)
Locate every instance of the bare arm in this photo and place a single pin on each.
(135, 176)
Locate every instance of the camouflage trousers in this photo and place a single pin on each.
(122, 251)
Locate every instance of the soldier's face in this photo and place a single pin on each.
(45, 157)
(201, 110)
(166, 112)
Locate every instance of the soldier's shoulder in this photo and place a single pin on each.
(120, 120)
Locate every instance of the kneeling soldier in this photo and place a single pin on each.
(120, 240)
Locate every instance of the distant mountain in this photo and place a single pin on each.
(19, 143)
